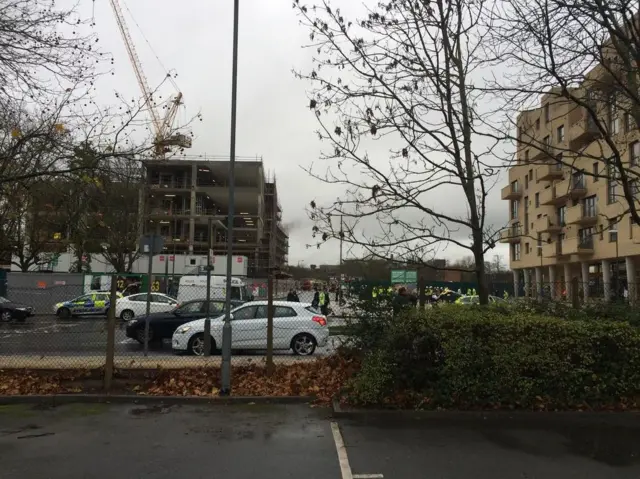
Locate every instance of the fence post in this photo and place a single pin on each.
(270, 323)
(111, 334)
(575, 298)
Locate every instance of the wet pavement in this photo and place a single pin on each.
(497, 445)
(270, 441)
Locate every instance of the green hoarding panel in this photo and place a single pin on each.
(401, 276)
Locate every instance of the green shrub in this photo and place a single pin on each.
(479, 356)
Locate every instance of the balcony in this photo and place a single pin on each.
(547, 225)
(511, 234)
(579, 215)
(582, 128)
(165, 212)
(580, 246)
(556, 195)
(553, 250)
(511, 192)
(578, 188)
(549, 172)
(541, 152)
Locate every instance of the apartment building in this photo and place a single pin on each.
(181, 196)
(566, 210)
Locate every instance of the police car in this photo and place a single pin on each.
(90, 304)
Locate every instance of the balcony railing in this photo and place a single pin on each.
(175, 184)
(511, 192)
(582, 215)
(577, 245)
(511, 234)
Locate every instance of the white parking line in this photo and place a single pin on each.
(343, 459)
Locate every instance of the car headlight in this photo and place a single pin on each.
(184, 329)
(21, 309)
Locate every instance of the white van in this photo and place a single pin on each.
(195, 287)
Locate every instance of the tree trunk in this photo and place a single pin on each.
(111, 335)
(481, 277)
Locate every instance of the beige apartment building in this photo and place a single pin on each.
(566, 215)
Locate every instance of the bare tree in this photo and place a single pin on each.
(583, 59)
(46, 49)
(402, 76)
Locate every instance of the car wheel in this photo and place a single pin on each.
(6, 316)
(64, 313)
(196, 345)
(303, 344)
(127, 315)
(140, 335)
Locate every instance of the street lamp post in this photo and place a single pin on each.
(225, 388)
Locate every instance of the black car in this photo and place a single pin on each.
(10, 310)
(163, 325)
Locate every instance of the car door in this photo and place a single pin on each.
(82, 304)
(245, 328)
(161, 303)
(171, 320)
(100, 303)
(286, 324)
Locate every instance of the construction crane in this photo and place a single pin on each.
(164, 138)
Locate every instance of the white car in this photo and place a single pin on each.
(130, 307)
(296, 326)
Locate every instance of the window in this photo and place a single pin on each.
(193, 307)
(284, 312)
(537, 197)
(578, 179)
(526, 182)
(236, 292)
(595, 172)
(515, 252)
(559, 162)
(560, 133)
(514, 186)
(586, 237)
(547, 142)
(613, 231)
(634, 153)
(514, 209)
(614, 118)
(562, 211)
(538, 124)
(611, 191)
(531, 175)
(526, 156)
(526, 248)
(192, 261)
(215, 307)
(627, 123)
(547, 117)
(526, 215)
(248, 312)
(589, 206)
(103, 297)
(160, 298)
(138, 297)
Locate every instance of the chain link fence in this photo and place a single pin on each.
(60, 321)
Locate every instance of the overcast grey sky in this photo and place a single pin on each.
(274, 122)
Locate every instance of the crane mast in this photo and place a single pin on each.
(163, 140)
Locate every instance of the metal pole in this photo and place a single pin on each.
(225, 390)
(207, 321)
(340, 268)
(146, 319)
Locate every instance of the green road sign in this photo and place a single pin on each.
(403, 276)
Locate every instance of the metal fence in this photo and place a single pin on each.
(60, 321)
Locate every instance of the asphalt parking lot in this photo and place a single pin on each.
(249, 441)
(86, 337)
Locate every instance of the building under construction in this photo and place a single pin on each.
(180, 197)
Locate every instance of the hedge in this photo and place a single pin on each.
(479, 357)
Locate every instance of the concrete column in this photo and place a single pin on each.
(527, 283)
(567, 280)
(553, 287)
(516, 283)
(538, 272)
(606, 279)
(192, 207)
(632, 287)
(585, 279)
